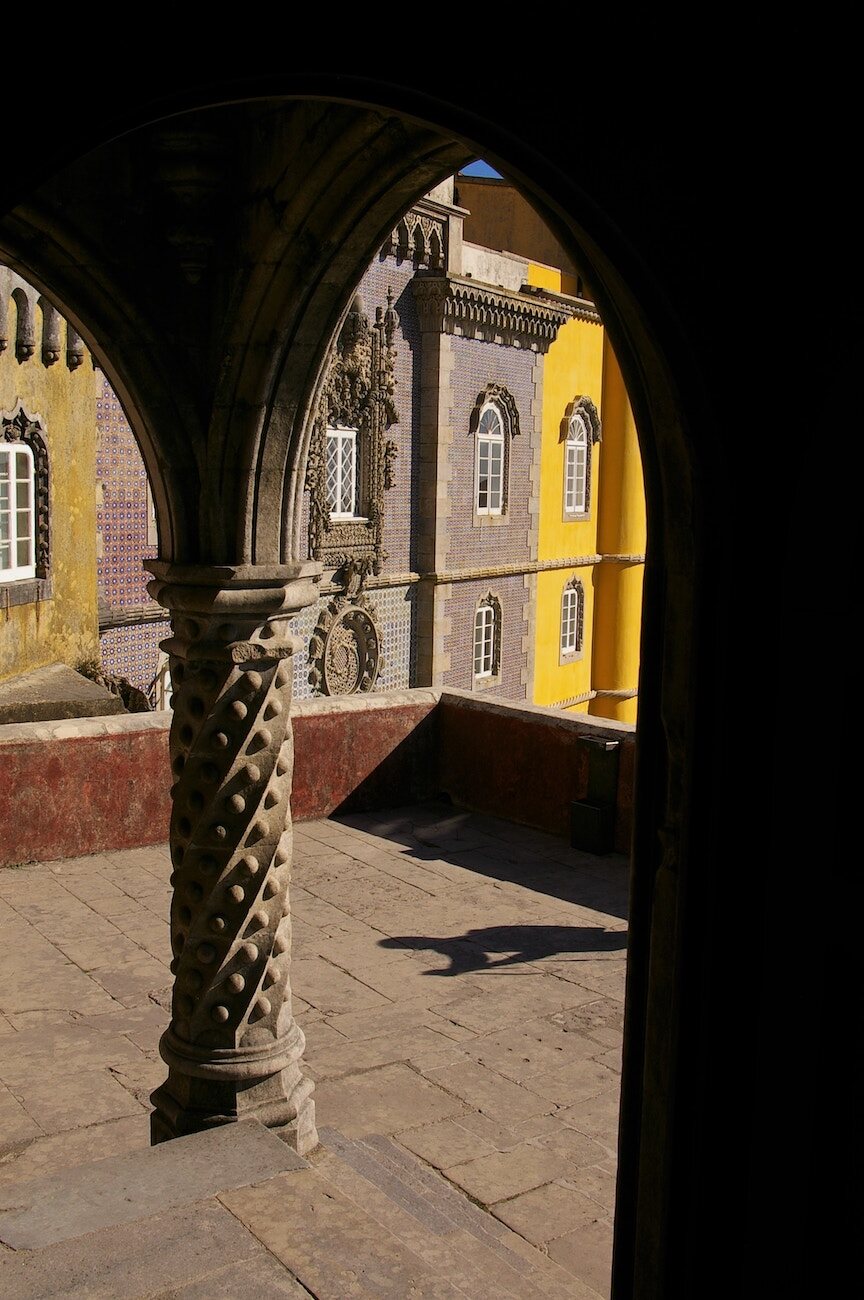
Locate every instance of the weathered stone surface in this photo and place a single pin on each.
(506, 1173)
(546, 1212)
(104, 1193)
(292, 1216)
(489, 1092)
(587, 1253)
(46, 1154)
(383, 1101)
(256, 1275)
(445, 1144)
(56, 691)
(131, 1260)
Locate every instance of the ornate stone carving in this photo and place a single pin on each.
(233, 1048)
(18, 426)
(25, 332)
(358, 394)
(345, 650)
(420, 237)
(51, 320)
(74, 349)
(585, 407)
(453, 305)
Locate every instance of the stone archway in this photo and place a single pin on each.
(219, 299)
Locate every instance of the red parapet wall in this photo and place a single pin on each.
(83, 787)
(363, 752)
(96, 784)
(527, 764)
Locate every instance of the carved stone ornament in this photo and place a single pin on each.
(19, 426)
(455, 305)
(584, 407)
(420, 238)
(345, 649)
(358, 394)
(233, 1047)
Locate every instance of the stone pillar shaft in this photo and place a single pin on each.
(233, 1048)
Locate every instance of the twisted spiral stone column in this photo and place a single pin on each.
(233, 1048)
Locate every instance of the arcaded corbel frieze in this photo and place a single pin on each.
(458, 305)
(25, 329)
(51, 322)
(74, 348)
(232, 1048)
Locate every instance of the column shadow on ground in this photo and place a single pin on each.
(478, 949)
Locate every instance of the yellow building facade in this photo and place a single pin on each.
(48, 386)
(591, 526)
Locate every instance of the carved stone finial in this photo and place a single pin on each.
(51, 320)
(74, 349)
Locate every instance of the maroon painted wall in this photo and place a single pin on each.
(526, 764)
(76, 794)
(103, 783)
(354, 759)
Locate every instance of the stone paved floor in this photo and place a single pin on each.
(460, 981)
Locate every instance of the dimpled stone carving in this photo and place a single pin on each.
(231, 1051)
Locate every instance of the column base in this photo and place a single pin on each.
(184, 1105)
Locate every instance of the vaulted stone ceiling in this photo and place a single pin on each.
(208, 259)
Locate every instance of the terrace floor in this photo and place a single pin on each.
(460, 981)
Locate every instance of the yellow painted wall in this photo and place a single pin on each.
(65, 628)
(581, 363)
(621, 531)
(573, 367)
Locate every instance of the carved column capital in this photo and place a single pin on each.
(233, 1048)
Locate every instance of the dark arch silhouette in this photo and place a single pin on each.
(653, 200)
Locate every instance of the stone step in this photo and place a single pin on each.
(235, 1211)
(101, 1194)
(467, 1246)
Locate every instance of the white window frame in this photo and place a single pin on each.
(572, 636)
(11, 530)
(570, 621)
(342, 504)
(490, 439)
(484, 641)
(576, 452)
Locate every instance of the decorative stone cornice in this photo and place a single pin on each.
(464, 307)
(576, 308)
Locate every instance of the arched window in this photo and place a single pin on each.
(572, 618)
(489, 476)
(487, 639)
(580, 428)
(24, 519)
(576, 467)
(17, 512)
(494, 421)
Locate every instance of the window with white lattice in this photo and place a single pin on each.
(493, 423)
(580, 429)
(490, 461)
(576, 467)
(342, 473)
(17, 513)
(572, 619)
(487, 640)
